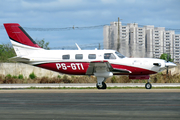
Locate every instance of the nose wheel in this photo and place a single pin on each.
(148, 85)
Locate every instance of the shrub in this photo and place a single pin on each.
(8, 76)
(20, 76)
(15, 77)
(59, 76)
(32, 75)
(113, 79)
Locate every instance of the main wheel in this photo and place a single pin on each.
(103, 86)
(148, 85)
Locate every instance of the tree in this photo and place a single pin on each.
(43, 44)
(6, 52)
(166, 57)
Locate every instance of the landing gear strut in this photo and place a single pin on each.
(148, 85)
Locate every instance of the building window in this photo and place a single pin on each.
(123, 33)
(92, 56)
(65, 57)
(79, 56)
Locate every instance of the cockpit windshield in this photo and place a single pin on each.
(119, 55)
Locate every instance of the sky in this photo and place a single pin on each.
(82, 15)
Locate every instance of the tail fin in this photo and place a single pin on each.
(20, 40)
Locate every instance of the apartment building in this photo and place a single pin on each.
(146, 41)
(176, 48)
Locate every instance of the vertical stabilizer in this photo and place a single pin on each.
(23, 44)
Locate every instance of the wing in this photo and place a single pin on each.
(103, 66)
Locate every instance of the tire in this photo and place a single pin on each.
(148, 85)
(104, 86)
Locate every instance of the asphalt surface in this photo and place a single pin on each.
(72, 104)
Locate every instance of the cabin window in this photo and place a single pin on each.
(79, 56)
(66, 57)
(109, 56)
(92, 56)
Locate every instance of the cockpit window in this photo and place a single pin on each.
(120, 55)
(109, 56)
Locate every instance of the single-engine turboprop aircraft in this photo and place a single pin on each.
(100, 63)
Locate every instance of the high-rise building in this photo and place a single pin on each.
(145, 41)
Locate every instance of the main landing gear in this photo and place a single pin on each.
(101, 83)
(148, 85)
(101, 78)
(103, 86)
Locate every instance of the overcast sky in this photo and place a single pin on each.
(84, 13)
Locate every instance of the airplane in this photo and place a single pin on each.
(100, 63)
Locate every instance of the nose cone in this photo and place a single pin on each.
(170, 64)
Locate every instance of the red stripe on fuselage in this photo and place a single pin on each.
(73, 68)
(134, 70)
(80, 68)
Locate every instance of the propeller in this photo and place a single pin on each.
(169, 64)
(167, 67)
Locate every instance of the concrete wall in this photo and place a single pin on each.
(20, 68)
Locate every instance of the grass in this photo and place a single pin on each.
(157, 78)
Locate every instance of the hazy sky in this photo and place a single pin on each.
(84, 13)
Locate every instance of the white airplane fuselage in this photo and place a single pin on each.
(101, 63)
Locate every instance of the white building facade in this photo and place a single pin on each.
(146, 41)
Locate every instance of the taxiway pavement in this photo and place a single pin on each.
(136, 104)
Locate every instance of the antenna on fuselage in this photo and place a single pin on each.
(78, 46)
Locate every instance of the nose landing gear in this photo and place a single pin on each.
(148, 85)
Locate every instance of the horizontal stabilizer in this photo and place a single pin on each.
(20, 59)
